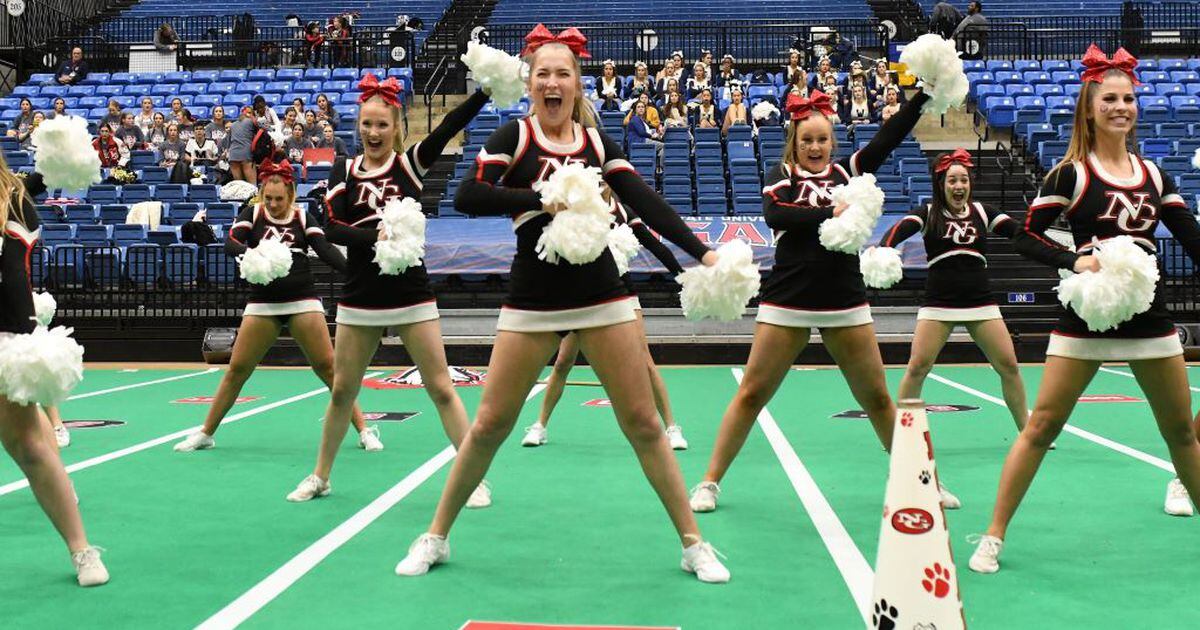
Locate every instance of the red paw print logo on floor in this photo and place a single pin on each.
(906, 419)
(937, 580)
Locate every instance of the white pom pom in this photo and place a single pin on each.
(267, 262)
(848, 232)
(404, 223)
(44, 307)
(624, 246)
(763, 110)
(41, 367)
(1196, 160)
(64, 155)
(238, 190)
(936, 62)
(579, 233)
(881, 267)
(496, 71)
(723, 290)
(1123, 287)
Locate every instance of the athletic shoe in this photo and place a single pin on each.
(62, 436)
(426, 551)
(535, 435)
(481, 497)
(986, 558)
(675, 437)
(949, 501)
(702, 560)
(704, 497)
(197, 441)
(89, 570)
(368, 439)
(311, 488)
(1178, 502)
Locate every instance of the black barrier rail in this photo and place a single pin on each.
(1181, 282)
(1160, 14)
(1068, 38)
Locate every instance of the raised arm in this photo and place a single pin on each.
(428, 150)
(890, 135)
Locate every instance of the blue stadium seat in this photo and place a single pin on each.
(143, 264)
(181, 264)
(220, 269)
(80, 214)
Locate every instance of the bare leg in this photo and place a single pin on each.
(568, 351)
(993, 338)
(26, 439)
(661, 400)
(517, 359)
(1165, 384)
(857, 354)
(423, 341)
(255, 337)
(311, 333)
(771, 356)
(928, 340)
(1062, 382)
(351, 355)
(53, 415)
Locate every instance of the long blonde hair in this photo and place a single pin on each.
(1083, 131)
(400, 135)
(584, 112)
(11, 189)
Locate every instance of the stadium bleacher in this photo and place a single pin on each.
(585, 11)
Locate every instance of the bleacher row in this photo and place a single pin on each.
(274, 13)
(585, 11)
(1044, 8)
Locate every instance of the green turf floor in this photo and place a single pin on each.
(575, 535)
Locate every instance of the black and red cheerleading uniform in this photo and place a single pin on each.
(957, 288)
(1100, 206)
(21, 232)
(355, 201)
(296, 292)
(809, 285)
(546, 297)
(625, 216)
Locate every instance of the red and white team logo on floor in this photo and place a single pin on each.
(208, 400)
(411, 379)
(1108, 398)
(598, 402)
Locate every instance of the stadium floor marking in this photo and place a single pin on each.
(122, 388)
(1157, 462)
(261, 594)
(859, 575)
(1128, 375)
(137, 448)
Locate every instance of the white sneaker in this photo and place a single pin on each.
(986, 558)
(481, 497)
(535, 435)
(702, 560)
(89, 570)
(197, 441)
(368, 439)
(426, 551)
(62, 436)
(675, 437)
(311, 488)
(949, 501)
(1178, 502)
(704, 497)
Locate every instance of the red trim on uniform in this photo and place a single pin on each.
(1145, 175)
(621, 169)
(1087, 182)
(533, 136)
(827, 310)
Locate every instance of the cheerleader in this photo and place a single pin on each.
(568, 349)
(25, 437)
(955, 231)
(810, 286)
(1105, 192)
(359, 188)
(549, 300)
(291, 300)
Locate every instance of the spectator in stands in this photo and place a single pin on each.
(710, 65)
(241, 134)
(840, 50)
(608, 87)
(824, 71)
(672, 86)
(330, 141)
(200, 150)
(797, 84)
(216, 129)
(70, 71)
(26, 138)
(793, 65)
(60, 108)
(114, 116)
(264, 115)
(165, 39)
(641, 79)
(314, 43)
(129, 134)
(158, 131)
(650, 115)
(339, 38)
(728, 75)
(108, 148)
(857, 108)
(667, 72)
(833, 90)
(290, 118)
(326, 112)
(736, 113)
(944, 18)
(187, 123)
(705, 113)
(638, 131)
(675, 111)
(299, 105)
(312, 130)
(879, 80)
(975, 24)
(145, 118)
(678, 62)
(891, 103)
(171, 150)
(296, 143)
(23, 121)
(176, 109)
(698, 81)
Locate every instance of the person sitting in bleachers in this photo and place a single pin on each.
(111, 152)
(187, 123)
(668, 72)
(698, 81)
(879, 79)
(70, 71)
(857, 109)
(26, 137)
(727, 76)
(675, 111)
(329, 140)
(891, 103)
(200, 150)
(705, 114)
(710, 66)
(113, 117)
(144, 119)
(824, 71)
(651, 114)
(166, 40)
(171, 150)
(641, 79)
(638, 130)
(299, 106)
(794, 64)
(608, 87)
(797, 84)
(284, 128)
(129, 134)
(672, 87)
(296, 143)
(325, 111)
(314, 43)
(263, 114)
(737, 113)
(23, 121)
(176, 110)
(312, 130)
(59, 108)
(339, 40)
(157, 133)
(216, 128)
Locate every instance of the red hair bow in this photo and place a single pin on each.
(571, 38)
(389, 89)
(817, 102)
(282, 170)
(959, 156)
(1096, 64)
